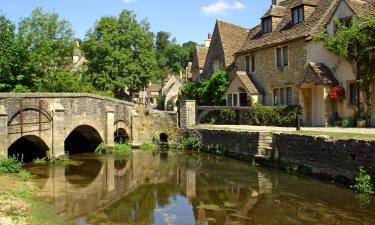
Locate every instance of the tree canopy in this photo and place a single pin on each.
(120, 53)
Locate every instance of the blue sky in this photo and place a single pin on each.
(185, 20)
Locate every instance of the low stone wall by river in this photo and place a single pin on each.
(337, 160)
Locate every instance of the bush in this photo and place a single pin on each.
(191, 143)
(363, 183)
(149, 147)
(24, 175)
(122, 149)
(349, 122)
(10, 165)
(225, 116)
(283, 116)
(101, 149)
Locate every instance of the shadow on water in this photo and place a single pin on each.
(192, 188)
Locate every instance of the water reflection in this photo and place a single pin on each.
(175, 188)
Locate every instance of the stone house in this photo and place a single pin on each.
(153, 94)
(170, 92)
(288, 66)
(227, 39)
(198, 62)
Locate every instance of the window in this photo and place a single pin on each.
(229, 100)
(267, 25)
(235, 100)
(250, 64)
(282, 96)
(216, 66)
(289, 96)
(282, 57)
(298, 15)
(276, 96)
(353, 88)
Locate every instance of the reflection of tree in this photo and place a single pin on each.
(138, 206)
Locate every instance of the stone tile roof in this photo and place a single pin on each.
(154, 88)
(318, 73)
(232, 37)
(248, 83)
(275, 10)
(201, 52)
(315, 24)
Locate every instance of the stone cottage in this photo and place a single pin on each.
(227, 39)
(288, 66)
(170, 92)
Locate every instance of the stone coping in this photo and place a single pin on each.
(4, 95)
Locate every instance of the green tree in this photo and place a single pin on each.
(120, 53)
(10, 56)
(209, 92)
(356, 44)
(47, 43)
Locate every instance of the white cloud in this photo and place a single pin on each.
(221, 7)
(128, 1)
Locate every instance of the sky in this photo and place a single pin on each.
(186, 20)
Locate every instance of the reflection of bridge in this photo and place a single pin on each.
(69, 122)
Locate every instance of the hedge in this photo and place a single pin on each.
(282, 116)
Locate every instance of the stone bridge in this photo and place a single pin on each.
(34, 124)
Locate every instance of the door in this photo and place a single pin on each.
(319, 106)
(307, 106)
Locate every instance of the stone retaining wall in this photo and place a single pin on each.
(321, 157)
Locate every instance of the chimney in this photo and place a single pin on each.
(277, 2)
(207, 42)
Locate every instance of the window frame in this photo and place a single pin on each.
(281, 97)
(353, 101)
(267, 25)
(284, 62)
(250, 63)
(299, 16)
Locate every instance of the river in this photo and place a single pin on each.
(184, 188)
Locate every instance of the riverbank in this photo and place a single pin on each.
(20, 206)
(321, 156)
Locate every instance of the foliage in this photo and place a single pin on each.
(363, 183)
(191, 143)
(349, 122)
(10, 165)
(24, 175)
(217, 149)
(147, 112)
(225, 116)
(120, 53)
(209, 92)
(122, 149)
(172, 57)
(101, 149)
(284, 116)
(356, 44)
(149, 147)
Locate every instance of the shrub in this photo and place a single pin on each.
(101, 149)
(284, 116)
(147, 112)
(24, 175)
(10, 165)
(349, 122)
(363, 182)
(149, 147)
(191, 143)
(122, 149)
(225, 116)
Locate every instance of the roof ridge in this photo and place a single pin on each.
(232, 24)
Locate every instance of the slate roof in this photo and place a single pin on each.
(247, 82)
(201, 52)
(232, 37)
(315, 24)
(275, 10)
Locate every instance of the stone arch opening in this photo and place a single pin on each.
(28, 148)
(121, 135)
(84, 174)
(163, 137)
(82, 139)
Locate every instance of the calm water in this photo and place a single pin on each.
(191, 188)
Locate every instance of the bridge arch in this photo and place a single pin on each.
(82, 139)
(121, 135)
(28, 148)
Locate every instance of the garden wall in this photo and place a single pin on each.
(321, 157)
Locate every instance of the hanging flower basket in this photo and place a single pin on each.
(337, 93)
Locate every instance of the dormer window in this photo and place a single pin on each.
(298, 14)
(267, 25)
